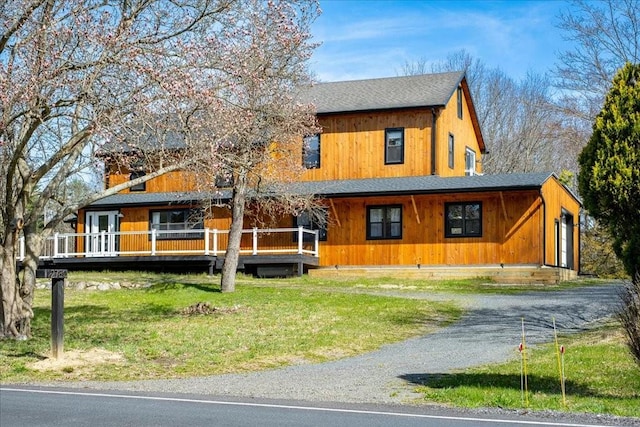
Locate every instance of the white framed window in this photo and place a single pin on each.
(469, 162)
(168, 224)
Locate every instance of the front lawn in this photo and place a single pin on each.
(601, 377)
(158, 332)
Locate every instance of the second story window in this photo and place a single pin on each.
(451, 151)
(393, 146)
(469, 162)
(135, 174)
(311, 152)
(459, 96)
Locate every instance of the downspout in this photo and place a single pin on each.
(434, 116)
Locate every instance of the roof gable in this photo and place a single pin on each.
(427, 90)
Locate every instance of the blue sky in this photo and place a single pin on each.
(373, 38)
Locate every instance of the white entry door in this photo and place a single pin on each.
(101, 239)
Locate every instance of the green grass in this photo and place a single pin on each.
(277, 322)
(601, 377)
(257, 327)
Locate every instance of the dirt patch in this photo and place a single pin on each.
(206, 308)
(77, 359)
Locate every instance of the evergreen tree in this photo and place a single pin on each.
(609, 179)
(609, 182)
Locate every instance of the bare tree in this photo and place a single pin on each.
(518, 124)
(605, 35)
(133, 76)
(259, 128)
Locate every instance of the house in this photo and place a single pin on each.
(399, 165)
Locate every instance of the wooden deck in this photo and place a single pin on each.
(263, 252)
(259, 265)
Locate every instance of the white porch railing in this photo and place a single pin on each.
(271, 241)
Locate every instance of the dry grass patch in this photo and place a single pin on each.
(78, 361)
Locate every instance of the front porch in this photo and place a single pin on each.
(263, 252)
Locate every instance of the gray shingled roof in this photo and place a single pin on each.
(428, 90)
(429, 184)
(156, 199)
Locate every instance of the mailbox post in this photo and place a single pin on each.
(57, 308)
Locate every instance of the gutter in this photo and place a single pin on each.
(423, 192)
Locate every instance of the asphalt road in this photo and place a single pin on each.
(34, 407)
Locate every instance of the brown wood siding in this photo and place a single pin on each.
(353, 145)
(171, 181)
(558, 198)
(464, 136)
(512, 232)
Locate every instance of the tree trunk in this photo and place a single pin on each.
(232, 255)
(11, 310)
(17, 287)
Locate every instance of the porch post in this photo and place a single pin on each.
(215, 241)
(66, 246)
(206, 241)
(300, 239)
(103, 242)
(55, 245)
(316, 242)
(255, 240)
(153, 241)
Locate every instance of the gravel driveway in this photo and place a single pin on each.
(489, 332)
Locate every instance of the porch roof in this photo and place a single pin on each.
(429, 184)
(157, 199)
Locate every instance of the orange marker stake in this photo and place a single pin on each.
(560, 357)
(564, 398)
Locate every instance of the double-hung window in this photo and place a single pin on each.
(177, 224)
(463, 219)
(311, 152)
(384, 222)
(469, 162)
(393, 146)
